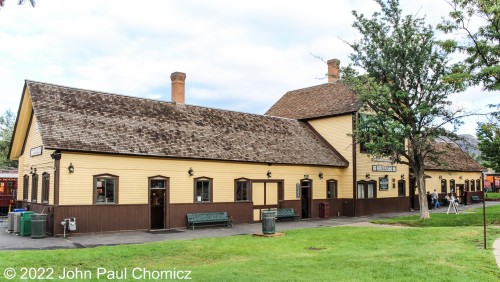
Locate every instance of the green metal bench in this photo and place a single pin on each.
(208, 218)
(475, 199)
(287, 213)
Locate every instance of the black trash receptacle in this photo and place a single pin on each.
(38, 225)
(268, 222)
(324, 210)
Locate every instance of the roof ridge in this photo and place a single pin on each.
(155, 100)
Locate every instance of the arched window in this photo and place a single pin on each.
(34, 188)
(466, 185)
(106, 189)
(45, 187)
(478, 185)
(452, 185)
(242, 190)
(331, 189)
(367, 189)
(443, 186)
(472, 185)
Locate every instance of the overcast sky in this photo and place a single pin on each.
(238, 55)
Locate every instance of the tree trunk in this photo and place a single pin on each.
(422, 193)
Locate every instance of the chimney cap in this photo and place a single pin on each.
(178, 76)
(333, 61)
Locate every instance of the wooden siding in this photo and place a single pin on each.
(77, 188)
(241, 212)
(42, 163)
(103, 218)
(336, 131)
(385, 205)
(435, 183)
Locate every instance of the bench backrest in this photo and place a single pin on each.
(207, 216)
(286, 212)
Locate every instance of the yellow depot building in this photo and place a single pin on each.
(116, 163)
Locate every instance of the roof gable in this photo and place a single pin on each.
(323, 100)
(90, 121)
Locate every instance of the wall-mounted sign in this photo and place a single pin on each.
(384, 168)
(383, 183)
(381, 160)
(37, 151)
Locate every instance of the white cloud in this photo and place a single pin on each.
(238, 55)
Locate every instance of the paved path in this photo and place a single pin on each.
(13, 242)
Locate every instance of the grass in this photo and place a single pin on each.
(473, 217)
(492, 195)
(434, 253)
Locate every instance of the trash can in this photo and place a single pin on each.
(38, 225)
(10, 221)
(17, 222)
(25, 228)
(324, 210)
(268, 222)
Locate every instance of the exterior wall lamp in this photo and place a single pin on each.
(269, 174)
(402, 176)
(320, 175)
(191, 171)
(32, 170)
(368, 175)
(460, 177)
(71, 168)
(440, 177)
(306, 176)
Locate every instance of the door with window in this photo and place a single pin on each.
(158, 202)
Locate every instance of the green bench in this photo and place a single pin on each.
(208, 218)
(287, 213)
(475, 199)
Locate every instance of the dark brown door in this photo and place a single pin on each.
(157, 206)
(305, 198)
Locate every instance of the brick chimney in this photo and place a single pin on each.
(333, 70)
(178, 95)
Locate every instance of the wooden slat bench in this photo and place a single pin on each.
(208, 218)
(287, 213)
(475, 199)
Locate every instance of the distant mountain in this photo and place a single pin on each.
(469, 145)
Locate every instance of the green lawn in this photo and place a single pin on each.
(472, 217)
(492, 195)
(319, 254)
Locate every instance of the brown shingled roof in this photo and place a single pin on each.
(323, 100)
(84, 120)
(450, 157)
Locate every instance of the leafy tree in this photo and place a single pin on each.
(481, 45)
(7, 122)
(403, 88)
(488, 135)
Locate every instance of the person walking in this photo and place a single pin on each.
(429, 201)
(435, 198)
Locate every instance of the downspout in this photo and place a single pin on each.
(354, 166)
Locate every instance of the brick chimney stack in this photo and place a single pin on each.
(333, 70)
(178, 92)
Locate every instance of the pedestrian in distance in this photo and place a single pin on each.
(435, 198)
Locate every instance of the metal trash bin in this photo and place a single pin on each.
(268, 221)
(38, 225)
(10, 221)
(324, 210)
(17, 222)
(25, 227)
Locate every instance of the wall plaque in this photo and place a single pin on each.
(37, 151)
(384, 168)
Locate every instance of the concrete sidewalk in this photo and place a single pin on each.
(14, 242)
